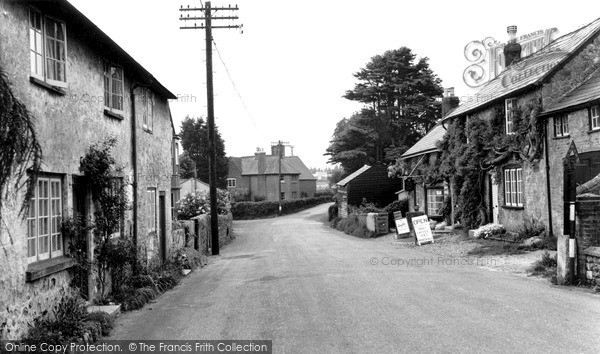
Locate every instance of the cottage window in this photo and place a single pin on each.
(561, 125)
(510, 113)
(231, 182)
(151, 209)
(44, 237)
(47, 49)
(147, 110)
(595, 117)
(295, 178)
(513, 187)
(113, 88)
(282, 196)
(435, 201)
(294, 195)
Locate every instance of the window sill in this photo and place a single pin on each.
(562, 137)
(147, 130)
(595, 130)
(510, 207)
(47, 267)
(113, 114)
(54, 89)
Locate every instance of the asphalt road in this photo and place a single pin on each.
(313, 289)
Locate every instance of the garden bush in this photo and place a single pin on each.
(489, 230)
(530, 228)
(198, 203)
(352, 226)
(253, 210)
(333, 212)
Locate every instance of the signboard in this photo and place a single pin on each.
(422, 229)
(402, 229)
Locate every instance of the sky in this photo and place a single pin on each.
(295, 59)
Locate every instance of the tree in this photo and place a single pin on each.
(400, 96)
(194, 140)
(186, 166)
(336, 175)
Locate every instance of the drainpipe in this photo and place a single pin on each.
(135, 177)
(550, 231)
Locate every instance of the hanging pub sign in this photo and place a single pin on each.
(409, 185)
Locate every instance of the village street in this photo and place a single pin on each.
(313, 289)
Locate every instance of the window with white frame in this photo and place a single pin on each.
(231, 182)
(510, 111)
(595, 117)
(113, 88)
(435, 201)
(513, 187)
(151, 209)
(561, 125)
(147, 109)
(44, 237)
(47, 49)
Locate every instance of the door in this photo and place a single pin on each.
(162, 222)
(578, 169)
(80, 213)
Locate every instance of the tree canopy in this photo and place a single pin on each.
(194, 140)
(401, 103)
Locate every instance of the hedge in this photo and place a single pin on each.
(254, 210)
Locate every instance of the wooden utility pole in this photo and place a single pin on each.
(212, 166)
(280, 147)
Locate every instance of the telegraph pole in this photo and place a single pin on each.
(280, 145)
(208, 17)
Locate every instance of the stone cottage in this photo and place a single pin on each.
(82, 88)
(522, 107)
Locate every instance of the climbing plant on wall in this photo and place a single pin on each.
(110, 203)
(20, 151)
(470, 150)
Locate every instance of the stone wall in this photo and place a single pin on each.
(202, 230)
(587, 230)
(591, 259)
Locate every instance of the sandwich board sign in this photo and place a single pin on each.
(402, 229)
(422, 229)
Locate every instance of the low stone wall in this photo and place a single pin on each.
(591, 259)
(201, 231)
(588, 231)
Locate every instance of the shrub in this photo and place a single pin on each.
(353, 226)
(530, 228)
(489, 230)
(253, 210)
(333, 212)
(325, 193)
(106, 321)
(66, 323)
(198, 203)
(546, 266)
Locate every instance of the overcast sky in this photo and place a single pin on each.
(295, 59)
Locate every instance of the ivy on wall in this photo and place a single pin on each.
(20, 151)
(469, 150)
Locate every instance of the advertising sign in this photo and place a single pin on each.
(422, 229)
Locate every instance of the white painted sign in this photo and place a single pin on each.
(402, 226)
(422, 229)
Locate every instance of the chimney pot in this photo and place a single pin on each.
(512, 50)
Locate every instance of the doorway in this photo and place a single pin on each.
(162, 229)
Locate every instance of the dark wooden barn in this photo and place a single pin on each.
(369, 182)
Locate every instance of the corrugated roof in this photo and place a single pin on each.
(588, 91)
(427, 143)
(529, 70)
(353, 175)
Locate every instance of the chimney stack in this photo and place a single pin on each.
(449, 101)
(275, 150)
(261, 157)
(512, 50)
